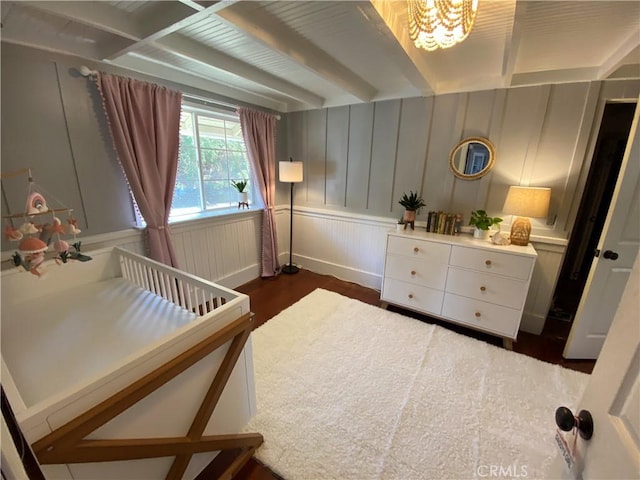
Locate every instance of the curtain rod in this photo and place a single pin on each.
(87, 72)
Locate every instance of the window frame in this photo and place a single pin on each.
(220, 114)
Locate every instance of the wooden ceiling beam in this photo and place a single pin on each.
(158, 68)
(512, 43)
(619, 55)
(394, 16)
(200, 53)
(276, 35)
(158, 29)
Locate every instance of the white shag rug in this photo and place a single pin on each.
(346, 390)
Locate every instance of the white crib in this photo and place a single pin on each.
(124, 368)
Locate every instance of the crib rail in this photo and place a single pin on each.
(180, 288)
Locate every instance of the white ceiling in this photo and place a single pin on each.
(298, 55)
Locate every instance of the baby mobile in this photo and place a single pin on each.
(40, 228)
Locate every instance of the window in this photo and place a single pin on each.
(212, 154)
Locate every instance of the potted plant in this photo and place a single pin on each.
(412, 203)
(243, 195)
(482, 222)
(400, 224)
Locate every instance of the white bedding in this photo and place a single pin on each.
(70, 339)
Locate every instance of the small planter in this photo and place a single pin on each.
(482, 222)
(411, 203)
(399, 227)
(243, 200)
(480, 234)
(409, 219)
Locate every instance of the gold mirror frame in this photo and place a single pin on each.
(487, 164)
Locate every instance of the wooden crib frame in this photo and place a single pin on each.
(66, 444)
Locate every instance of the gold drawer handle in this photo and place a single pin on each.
(483, 289)
(413, 273)
(478, 314)
(410, 296)
(416, 249)
(487, 263)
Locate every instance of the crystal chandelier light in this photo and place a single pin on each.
(440, 23)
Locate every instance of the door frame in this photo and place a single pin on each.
(584, 174)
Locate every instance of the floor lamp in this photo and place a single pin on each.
(290, 172)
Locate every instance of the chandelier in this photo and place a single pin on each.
(437, 24)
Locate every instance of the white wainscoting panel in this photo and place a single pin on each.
(347, 246)
(543, 284)
(224, 249)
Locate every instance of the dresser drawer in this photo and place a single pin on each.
(485, 316)
(487, 261)
(416, 248)
(416, 270)
(488, 288)
(412, 296)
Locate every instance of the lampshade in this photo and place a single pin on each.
(440, 23)
(290, 172)
(527, 201)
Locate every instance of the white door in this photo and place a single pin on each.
(612, 397)
(619, 244)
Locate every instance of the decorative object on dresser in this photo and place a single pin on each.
(290, 172)
(525, 202)
(243, 195)
(472, 158)
(459, 279)
(482, 223)
(498, 238)
(444, 223)
(412, 204)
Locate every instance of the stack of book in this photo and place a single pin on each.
(443, 222)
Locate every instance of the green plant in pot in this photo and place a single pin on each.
(240, 185)
(412, 204)
(482, 223)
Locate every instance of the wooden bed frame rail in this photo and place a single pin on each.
(180, 288)
(68, 444)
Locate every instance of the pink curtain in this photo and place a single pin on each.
(144, 120)
(258, 131)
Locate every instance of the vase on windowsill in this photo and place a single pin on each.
(243, 195)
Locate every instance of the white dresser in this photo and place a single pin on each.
(459, 279)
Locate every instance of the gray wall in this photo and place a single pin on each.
(361, 158)
(357, 158)
(52, 122)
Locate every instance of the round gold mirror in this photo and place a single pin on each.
(472, 158)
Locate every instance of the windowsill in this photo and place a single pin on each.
(221, 214)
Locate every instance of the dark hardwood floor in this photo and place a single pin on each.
(271, 296)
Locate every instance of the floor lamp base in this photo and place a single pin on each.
(289, 269)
